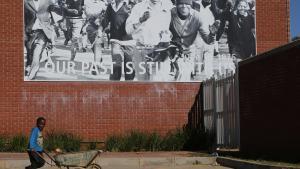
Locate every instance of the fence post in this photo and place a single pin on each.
(225, 111)
(237, 105)
(214, 110)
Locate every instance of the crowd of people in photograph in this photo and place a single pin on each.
(181, 35)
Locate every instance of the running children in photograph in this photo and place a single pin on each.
(136, 40)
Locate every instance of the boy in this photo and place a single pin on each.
(35, 145)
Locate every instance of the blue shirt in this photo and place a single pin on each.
(36, 140)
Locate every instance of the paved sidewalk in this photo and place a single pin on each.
(129, 160)
(7, 156)
(164, 167)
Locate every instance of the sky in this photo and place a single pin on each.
(295, 17)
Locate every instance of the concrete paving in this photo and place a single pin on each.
(139, 160)
(150, 167)
(164, 167)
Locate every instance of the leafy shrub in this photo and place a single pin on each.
(154, 142)
(18, 143)
(134, 141)
(65, 141)
(174, 140)
(139, 141)
(114, 143)
(2, 143)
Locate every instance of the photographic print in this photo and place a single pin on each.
(136, 40)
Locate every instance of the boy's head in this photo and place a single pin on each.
(243, 7)
(184, 7)
(40, 123)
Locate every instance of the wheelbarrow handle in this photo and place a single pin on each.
(51, 158)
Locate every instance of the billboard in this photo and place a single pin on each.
(136, 40)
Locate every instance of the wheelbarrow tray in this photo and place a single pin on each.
(79, 159)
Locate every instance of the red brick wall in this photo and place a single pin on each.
(269, 104)
(272, 23)
(97, 109)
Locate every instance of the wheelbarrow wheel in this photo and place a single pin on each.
(94, 166)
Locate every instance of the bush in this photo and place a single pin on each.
(174, 140)
(134, 141)
(65, 141)
(114, 143)
(2, 143)
(179, 139)
(154, 142)
(17, 143)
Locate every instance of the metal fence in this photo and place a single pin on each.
(195, 116)
(221, 110)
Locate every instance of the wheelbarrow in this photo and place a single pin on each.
(83, 159)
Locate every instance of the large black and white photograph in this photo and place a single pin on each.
(136, 40)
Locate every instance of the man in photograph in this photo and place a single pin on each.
(147, 23)
(73, 10)
(241, 32)
(185, 25)
(204, 53)
(38, 32)
(116, 15)
(221, 10)
(147, 20)
(94, 11)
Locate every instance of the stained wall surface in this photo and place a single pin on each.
(95, 110)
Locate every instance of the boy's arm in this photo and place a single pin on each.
(33, 140)
(208, 35)
(133, 21)
(106, 17)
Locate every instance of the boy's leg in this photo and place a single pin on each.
(92, 35)
(39, 161)
(35, 160)
(31, 160)
(128, 63)
(38, 48)
(208, 61)
(76, 28)
(140, 63)
(117, 55)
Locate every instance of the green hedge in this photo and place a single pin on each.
(175, 140)
(17, 143)
(3, 141)
(52, 140)
(179, 139)
(65, 141)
